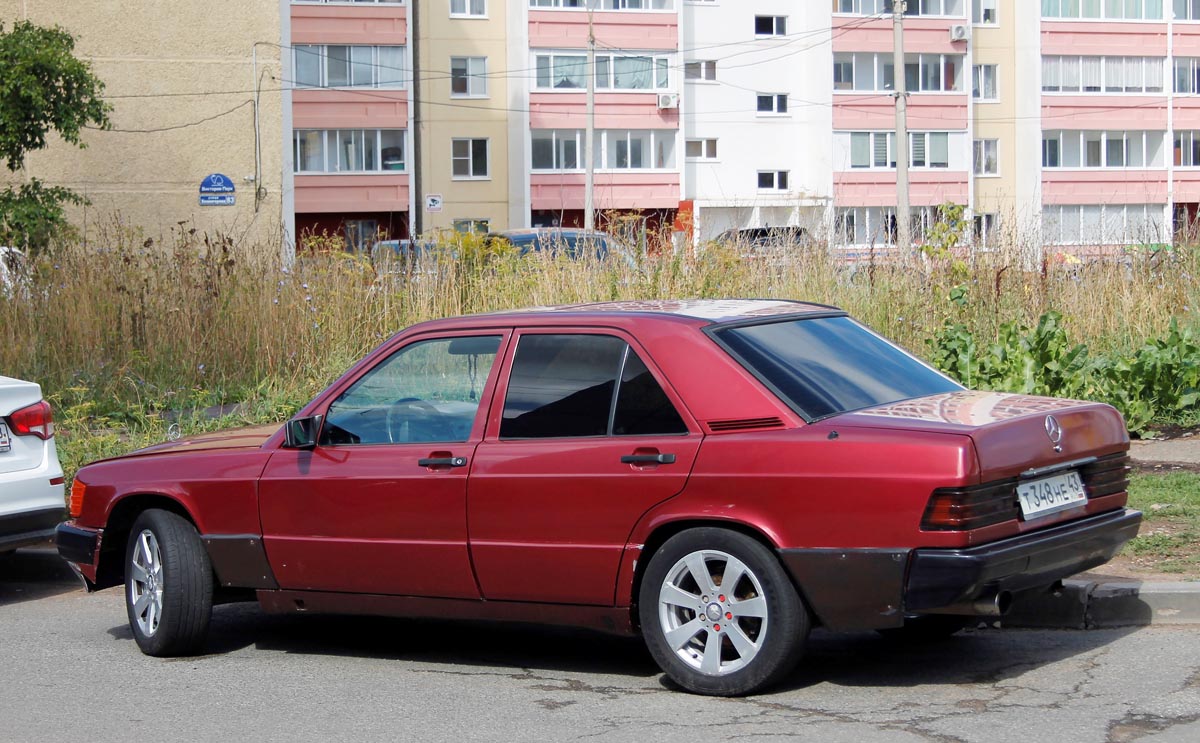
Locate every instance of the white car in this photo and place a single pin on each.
(31, 478)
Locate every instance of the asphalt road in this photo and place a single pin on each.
(71, 671)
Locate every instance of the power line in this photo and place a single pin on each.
(206, 119)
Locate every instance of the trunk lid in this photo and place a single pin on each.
(1012, 433)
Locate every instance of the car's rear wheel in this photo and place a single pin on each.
(719, 614)
(168, 584)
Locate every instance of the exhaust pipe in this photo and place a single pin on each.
(991, 604)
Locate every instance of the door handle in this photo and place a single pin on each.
(443, 462)
(648, 459)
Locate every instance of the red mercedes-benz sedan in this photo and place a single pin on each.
(718, 476)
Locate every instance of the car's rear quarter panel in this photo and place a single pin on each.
(803, 489)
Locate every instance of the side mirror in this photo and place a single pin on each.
(301, 433)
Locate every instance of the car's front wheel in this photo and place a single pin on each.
(168, 584)
(719, 614)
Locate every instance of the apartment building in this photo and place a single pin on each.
(1063, 122)
(637, 150)
(757, 117)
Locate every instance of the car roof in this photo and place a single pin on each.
(698, 312)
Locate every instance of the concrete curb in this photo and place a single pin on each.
(1082, 604)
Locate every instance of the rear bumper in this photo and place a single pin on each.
(29, 528)
(859, 589)
(944, 577)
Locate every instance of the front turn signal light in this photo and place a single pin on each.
(78, 489)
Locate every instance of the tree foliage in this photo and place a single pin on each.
(43, 88)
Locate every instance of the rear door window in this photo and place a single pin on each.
(566, 385)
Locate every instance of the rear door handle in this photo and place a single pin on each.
(648, 459)
(443, 462)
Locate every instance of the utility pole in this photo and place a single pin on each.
(903, 229)
(589, 220)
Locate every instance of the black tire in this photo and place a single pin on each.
(776, 640)
(183, 585)
(927, 628)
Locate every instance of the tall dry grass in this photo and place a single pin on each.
(142, 325)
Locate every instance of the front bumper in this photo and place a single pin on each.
(859, 589)
(80, 547)
(29, 528)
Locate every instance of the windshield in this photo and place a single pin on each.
(823, 366)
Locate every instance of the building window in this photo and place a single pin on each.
(343, 2)
(772, 103)
(1103, 224)
(468, 77)
(1187, 149)
(605, 4)
(876, 149)
(348, 150)
(985, 157)
(1102, 74)
(557, 149)
(953, 8)
(615, 149)
(770, 25)
(983, 83)
(638, 149)
(1136, 10)
(556, 71)
(469, 158)
(986, 229)
(877, 226)
(336, 66)
(1102, 149)
(1187, 10)
(706, 70)
(468, 8)
(701, 149)
(862, 7)
(983, 12)
(470, 226)
(924, 73)
(1187, 75)
(772, 180)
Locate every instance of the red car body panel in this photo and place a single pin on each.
(562, 521)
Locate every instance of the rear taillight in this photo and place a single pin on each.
(34, 420)
(962, 509)
(78, 490)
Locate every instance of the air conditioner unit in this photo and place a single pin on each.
(959, 32)
(668, 100)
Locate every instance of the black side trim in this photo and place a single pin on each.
(77, 545)
(240, 560)
(944, 577)
(854, 589)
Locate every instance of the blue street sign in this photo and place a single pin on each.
(217, 183)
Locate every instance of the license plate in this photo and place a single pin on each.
(1051, 494)
(5, 441)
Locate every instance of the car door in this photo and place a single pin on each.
(379, 505)
(586, 439)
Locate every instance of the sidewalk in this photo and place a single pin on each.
(1084, 603)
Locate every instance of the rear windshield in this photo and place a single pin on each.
(829, 365)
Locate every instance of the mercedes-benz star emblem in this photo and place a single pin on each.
(1054, 432)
